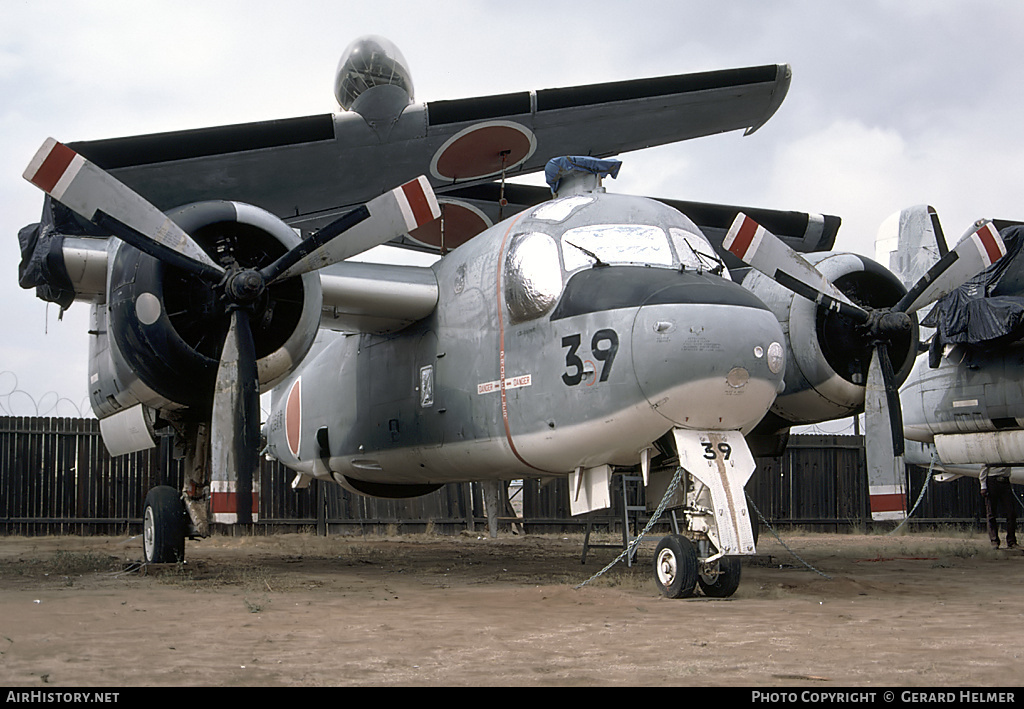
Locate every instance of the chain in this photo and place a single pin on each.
(920, 496)
(772, 530)
(657, 513)
(661, 508)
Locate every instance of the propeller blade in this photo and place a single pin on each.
(381, 219)
(940, 237)
(973, 254)
(883, 428)
(235, 425)
(91, 192)
(756, 246)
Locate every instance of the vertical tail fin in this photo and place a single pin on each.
(910, 242)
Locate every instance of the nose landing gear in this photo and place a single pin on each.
(719, 531)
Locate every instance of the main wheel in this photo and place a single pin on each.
(725, 582)
(163, 526)
(675, 566)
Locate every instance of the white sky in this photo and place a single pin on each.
(893, 103)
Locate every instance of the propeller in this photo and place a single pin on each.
(878, 327)
(96, 195)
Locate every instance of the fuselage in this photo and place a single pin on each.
(970, 408)
(572, 335)
(971, 391)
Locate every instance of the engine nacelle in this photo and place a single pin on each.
(828, 354)
(165, 328)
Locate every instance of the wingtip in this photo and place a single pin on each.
(783, 77)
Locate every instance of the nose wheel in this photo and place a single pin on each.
(720, 579)
(675, 566)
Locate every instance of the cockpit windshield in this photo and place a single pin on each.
(579, 232)
(696, 253)
(603, 244)
(615, 243)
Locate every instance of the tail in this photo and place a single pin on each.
(910, 242)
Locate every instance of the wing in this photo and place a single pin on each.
(801, 231)
(308, 169)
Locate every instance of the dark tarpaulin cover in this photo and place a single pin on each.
(989, 308)
(42, 256)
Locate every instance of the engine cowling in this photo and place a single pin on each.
(828, 354)
(168, 326)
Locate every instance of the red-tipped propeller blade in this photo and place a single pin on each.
(96, 195)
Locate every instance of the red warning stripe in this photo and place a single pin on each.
(53, 167)
(418, 202)
(888, 503)
(228, 502)
(744, 237)
(990, 240)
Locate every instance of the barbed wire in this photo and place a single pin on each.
(46, 405)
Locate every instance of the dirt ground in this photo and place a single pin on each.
(911, 610)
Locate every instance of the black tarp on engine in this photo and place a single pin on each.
(987, 310)
(42, 253)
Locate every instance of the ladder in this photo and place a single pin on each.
(632, 508)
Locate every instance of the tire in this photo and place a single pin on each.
(163, 526)
(725, 583)
(675, 567)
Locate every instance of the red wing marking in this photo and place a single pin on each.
(483, 150)
(293, 417)
(460, 223)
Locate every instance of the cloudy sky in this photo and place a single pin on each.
(893, 103)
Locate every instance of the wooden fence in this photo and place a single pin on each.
(56, 478)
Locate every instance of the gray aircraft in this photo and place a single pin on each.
(963, 404)
(573, 336)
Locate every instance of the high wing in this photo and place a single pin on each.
(801, 231)
(306, 170)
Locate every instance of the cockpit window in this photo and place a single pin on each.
(532, 277)
(696, 253)
(615, 243)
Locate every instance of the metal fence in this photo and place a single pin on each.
(57, 478)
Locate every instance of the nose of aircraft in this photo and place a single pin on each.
(709, 365)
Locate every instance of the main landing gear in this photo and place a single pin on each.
(164, 522)
(170, 515)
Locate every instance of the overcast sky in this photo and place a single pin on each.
(891, 104)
